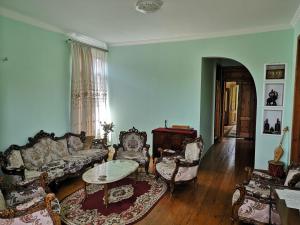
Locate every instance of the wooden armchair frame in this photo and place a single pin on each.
(180, 163)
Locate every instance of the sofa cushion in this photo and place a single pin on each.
(259, 189)
(39, 217)
(74, 144)
(253, 211)
(167, 168)
(14, 160)
(32, 174)
(15, 198)
(132, 155)
(291, 174)
(60, 147)
(2, 201)
(75, 163)
(93, 153)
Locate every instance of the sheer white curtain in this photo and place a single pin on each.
(100, 78)
(89, 94)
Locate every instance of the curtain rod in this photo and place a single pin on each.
(71, 40)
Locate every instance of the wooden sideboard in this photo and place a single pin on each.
(170, 138)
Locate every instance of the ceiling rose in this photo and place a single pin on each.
(148, 6)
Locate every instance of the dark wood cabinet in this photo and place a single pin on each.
(170, 138)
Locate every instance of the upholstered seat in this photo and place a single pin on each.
(253, 210)
(179, 169)
(133, 146)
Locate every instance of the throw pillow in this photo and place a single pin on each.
(290, 176)
(74, 144)
(15, 159)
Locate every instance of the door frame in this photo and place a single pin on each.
(235, 77)
(295, 148)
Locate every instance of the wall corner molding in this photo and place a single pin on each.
(296, 17)
(28, 20)
(229, 33)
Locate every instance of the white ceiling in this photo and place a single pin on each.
(117, 22)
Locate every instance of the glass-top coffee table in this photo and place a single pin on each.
(109, 172)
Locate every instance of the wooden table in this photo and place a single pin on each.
(109, 172)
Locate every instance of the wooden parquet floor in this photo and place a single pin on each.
(209, 202)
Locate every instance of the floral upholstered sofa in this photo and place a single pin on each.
(61, 157)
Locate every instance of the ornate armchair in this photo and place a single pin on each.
(254, 201)
(180, 169)
(133, 146)
(251, 210)
(20, 205)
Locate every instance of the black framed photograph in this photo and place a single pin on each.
(275, 72)
(274, 94)
(272, 122)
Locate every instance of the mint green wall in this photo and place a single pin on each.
(207, 100)
(153, 82)
(34, 83)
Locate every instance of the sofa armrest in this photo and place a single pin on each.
(117, 148)
(238, 198)
(183, 163)
(14, 171)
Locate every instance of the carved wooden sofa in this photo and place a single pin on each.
(28, 204)
(61, 157)
(254, 201)
(133, 146)
(180, 168)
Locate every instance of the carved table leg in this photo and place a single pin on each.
(106, 195)
(136, 174)
(85, 191)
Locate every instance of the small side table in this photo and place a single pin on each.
(276, 169)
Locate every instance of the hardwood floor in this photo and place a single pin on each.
(209, 202)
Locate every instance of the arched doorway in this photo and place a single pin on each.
(235, 104)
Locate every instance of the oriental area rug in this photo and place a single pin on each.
(130, 200)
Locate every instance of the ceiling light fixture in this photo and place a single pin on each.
(148, 6)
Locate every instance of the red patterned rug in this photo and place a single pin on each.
(129, 201)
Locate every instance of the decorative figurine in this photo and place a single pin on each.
(266, 126)
(166, 123)
(272, 130)
(273, 96)
(107, 128)
(277, 126)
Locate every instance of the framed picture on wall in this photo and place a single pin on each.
(272, 121)
(274, 93)
(275, 72)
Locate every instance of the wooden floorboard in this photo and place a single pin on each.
(209, 202)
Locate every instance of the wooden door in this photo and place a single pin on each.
(218, 105)
(295, 156)
(246, 118)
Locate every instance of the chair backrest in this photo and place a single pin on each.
(194, 150)
(133, 140)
